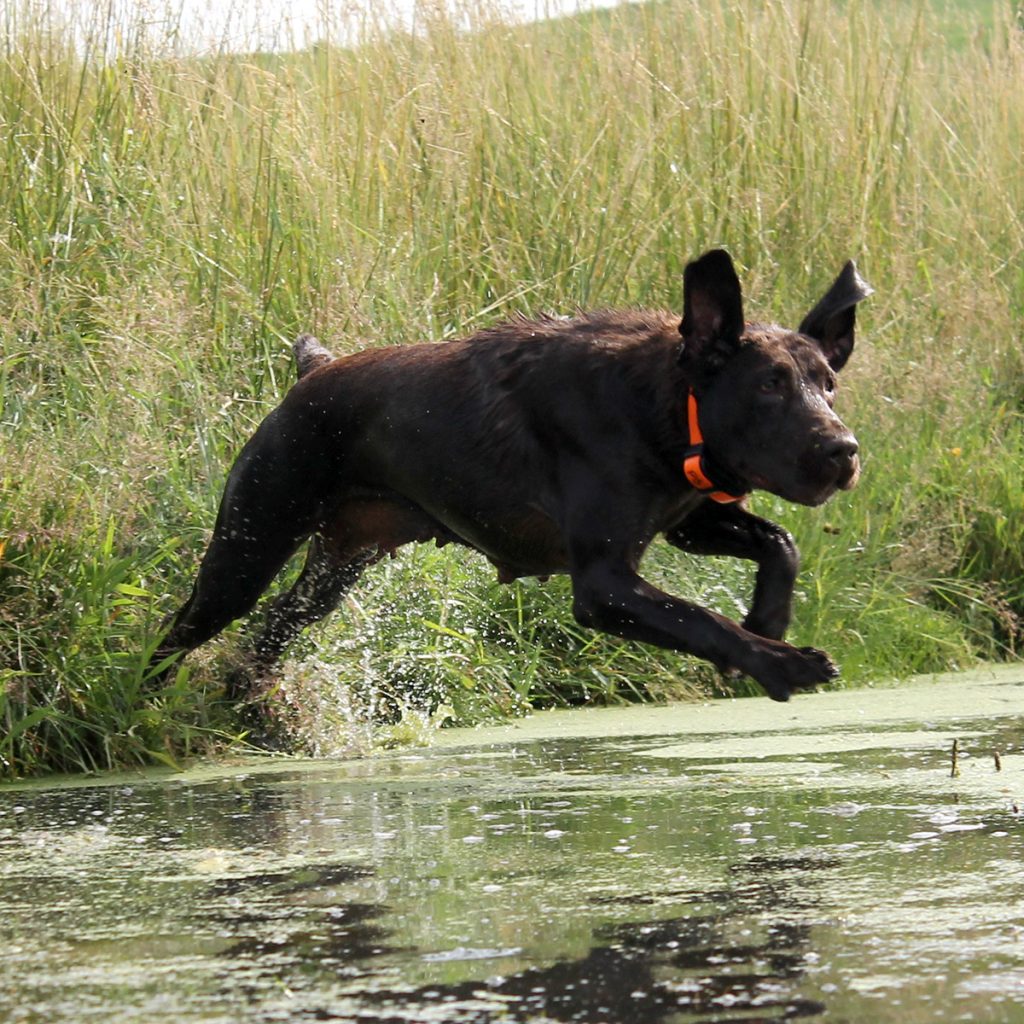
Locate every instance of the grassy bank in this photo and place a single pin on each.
(171, 221)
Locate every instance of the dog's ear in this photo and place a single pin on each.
(831, 321)
(712, 310)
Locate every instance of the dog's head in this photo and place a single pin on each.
(766, 393)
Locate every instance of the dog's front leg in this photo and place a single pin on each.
(714, 529)
(609, 595)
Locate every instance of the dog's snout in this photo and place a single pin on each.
(841, 449)
(840, 452)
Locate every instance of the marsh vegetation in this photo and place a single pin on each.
(173, 219)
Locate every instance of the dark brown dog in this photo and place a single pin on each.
(550, 446)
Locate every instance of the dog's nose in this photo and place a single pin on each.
(841, 453)
(841, 449)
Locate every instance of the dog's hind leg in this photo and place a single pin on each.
(325, 579)
(269, 508)
(271, 505)
(361, 531)
(233, 575)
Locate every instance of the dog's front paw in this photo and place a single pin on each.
(818, 668)
(796, 669)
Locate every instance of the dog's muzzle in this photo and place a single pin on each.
(841, 455)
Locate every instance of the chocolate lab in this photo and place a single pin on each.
(550, 446)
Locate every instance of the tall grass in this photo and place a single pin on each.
(172, 220)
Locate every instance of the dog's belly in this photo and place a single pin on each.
(523, 542)
(519, 543)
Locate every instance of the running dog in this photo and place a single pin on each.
(550, 445)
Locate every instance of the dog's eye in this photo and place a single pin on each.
(771, 385)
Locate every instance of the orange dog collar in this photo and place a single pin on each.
(693, 461)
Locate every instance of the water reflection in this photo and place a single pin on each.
(650, 971)
(308, 923)
(587, 880)
(693, 965)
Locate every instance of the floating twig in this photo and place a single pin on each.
(954, 770)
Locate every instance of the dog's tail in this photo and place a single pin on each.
(309, 354)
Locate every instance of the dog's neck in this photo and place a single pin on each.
(698, 467)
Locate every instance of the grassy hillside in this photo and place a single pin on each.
(171, 221)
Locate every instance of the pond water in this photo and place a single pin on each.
(738, 861)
